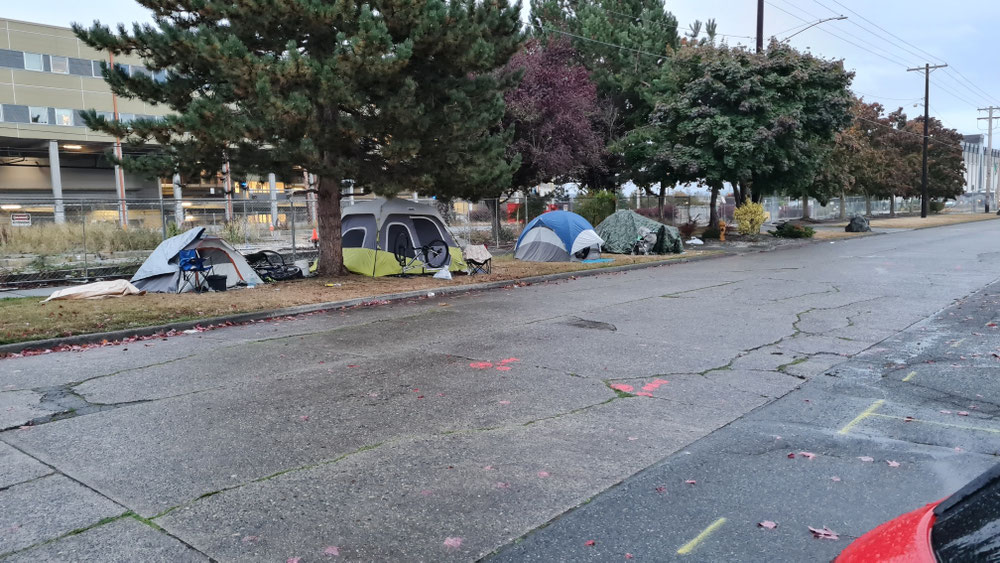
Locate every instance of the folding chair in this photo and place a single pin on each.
(479, 259)
(191, 265)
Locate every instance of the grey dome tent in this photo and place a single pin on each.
(161, 272)
(621, 229)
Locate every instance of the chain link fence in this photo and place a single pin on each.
(93, 242)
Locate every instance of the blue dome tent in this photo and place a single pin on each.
(558, 236)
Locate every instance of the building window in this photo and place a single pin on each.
(64, 117)
(60, 65)
(160, 76)
(38, 115)
(126, 117)
(33, 61)
(97, 68)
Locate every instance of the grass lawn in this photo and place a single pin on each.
(939, 220)
(26, 319)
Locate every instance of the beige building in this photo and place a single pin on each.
(47, 76)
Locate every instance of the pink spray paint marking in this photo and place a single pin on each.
(625, 388)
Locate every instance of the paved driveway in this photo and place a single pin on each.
(444, 428)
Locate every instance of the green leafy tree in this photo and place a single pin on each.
(624, 44)
(757, 122)
(390, 95)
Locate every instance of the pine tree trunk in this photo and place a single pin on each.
(868, 205)
(892, 206)
(661, 200)
(805, 207)
(843, 206)
(713, 211)
(331, 253)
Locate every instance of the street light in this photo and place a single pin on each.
(815, 23)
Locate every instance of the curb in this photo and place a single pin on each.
(239, 318)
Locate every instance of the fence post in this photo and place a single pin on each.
(291, 202)
(163, 221)
(246, 224)
(83, 223)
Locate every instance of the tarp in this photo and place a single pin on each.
(370, 229)
(557, 236)
(97, 290)
(620, 230)
(160, 273)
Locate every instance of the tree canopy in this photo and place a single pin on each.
(755, 121)
(390, 94)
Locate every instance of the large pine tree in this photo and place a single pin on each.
(390, 95)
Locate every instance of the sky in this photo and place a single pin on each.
(913, 32)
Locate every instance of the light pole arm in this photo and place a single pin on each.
(815, 23)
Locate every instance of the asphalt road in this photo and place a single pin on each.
(382, 434)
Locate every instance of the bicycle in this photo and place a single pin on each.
(431, 256)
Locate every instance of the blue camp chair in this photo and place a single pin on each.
(191, 265)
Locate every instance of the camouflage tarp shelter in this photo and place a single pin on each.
(621, 229)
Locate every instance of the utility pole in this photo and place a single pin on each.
(989, 159)
(924, 199)
(760, 25)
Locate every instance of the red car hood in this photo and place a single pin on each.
(906, 539)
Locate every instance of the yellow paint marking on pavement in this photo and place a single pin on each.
(865, 414)
(957, 342)
(934, 422)
(689, 546)
(909, 376)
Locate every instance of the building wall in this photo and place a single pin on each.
(32, 178)
(977, 162)
(79, 87)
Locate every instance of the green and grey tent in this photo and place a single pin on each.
(371, 228)
(621, 230)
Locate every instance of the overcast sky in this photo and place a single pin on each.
(958, 33)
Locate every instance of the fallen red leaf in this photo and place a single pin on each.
(590, 543)
(807, 455)
(661, 490)
(909, 419)
(892, 463)
(962, 413)
(866, 458)
(824, 534)
(332, 551)
(691, 482)
(543, 474)
(835, 479)
(767, 524)
(791, 456)
(628, 556)
(453, 543)
(945, 412)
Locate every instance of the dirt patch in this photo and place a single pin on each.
(26, 319)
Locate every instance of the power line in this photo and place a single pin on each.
(868, 49)
(661, 25)
(968, 84)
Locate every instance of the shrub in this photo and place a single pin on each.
(654, 212)
(711, 233)
(749, 218)
(596, 208)
(790, 230)
(687, 229)
(936, 206)
(480, 215)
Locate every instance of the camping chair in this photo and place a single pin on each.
(479, 259)
(191, 265)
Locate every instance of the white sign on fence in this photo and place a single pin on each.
(20, 219)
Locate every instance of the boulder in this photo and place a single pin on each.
(858, 224)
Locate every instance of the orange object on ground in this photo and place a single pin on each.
(315, 236)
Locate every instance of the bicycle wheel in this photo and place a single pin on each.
(436, 254)
(400, 247)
